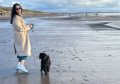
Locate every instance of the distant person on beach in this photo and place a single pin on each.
(22, 46)
(1, 13)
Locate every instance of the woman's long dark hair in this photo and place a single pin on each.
(13, 12)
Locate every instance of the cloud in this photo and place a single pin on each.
(13, 2)
(1, 0)
(89, 3)
(64, 5)
(76, 5)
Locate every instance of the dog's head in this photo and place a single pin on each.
(42, 55)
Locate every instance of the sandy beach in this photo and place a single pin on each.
(83, 50)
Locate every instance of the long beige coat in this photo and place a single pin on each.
(21, 38)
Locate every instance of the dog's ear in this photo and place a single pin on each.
(40, 56)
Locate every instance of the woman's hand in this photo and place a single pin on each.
(31, 26)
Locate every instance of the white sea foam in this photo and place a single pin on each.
(114, 24)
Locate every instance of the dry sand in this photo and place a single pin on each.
(82, 52)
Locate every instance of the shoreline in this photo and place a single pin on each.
(67, 17)
(7, 17)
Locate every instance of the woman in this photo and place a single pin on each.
(22, 45)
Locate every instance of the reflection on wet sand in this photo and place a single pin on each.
(45, 79)
(36, 78)
(22, 78)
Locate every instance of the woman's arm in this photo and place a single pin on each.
(20, 24)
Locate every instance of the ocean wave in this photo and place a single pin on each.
(115, 24)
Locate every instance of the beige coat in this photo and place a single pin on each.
(21, 38)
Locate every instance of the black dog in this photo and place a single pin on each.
(45, 62)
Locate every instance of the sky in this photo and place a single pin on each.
(67, 5)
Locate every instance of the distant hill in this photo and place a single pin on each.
(7, 11)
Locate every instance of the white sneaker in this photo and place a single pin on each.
(17, 67)
(22, 68)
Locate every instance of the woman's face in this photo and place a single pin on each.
(18, 10)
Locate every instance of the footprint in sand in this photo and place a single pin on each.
(109, 55)
(72, 58)
(48, 49)
(61, 52)
(82, 51)
(86, 80)
(57, 51)
(79, 59)
(58, 65)
(72, 79)
(76, 57)
(85, 76)
(57, 70)
(52, 50)
(108, 47)
(64, 71)
(75, 50)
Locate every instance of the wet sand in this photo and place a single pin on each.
(81, 51)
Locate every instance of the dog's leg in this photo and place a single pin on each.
(41, 70)
(41, 66)
(46, 73)
(45, 70)
(48, 68)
